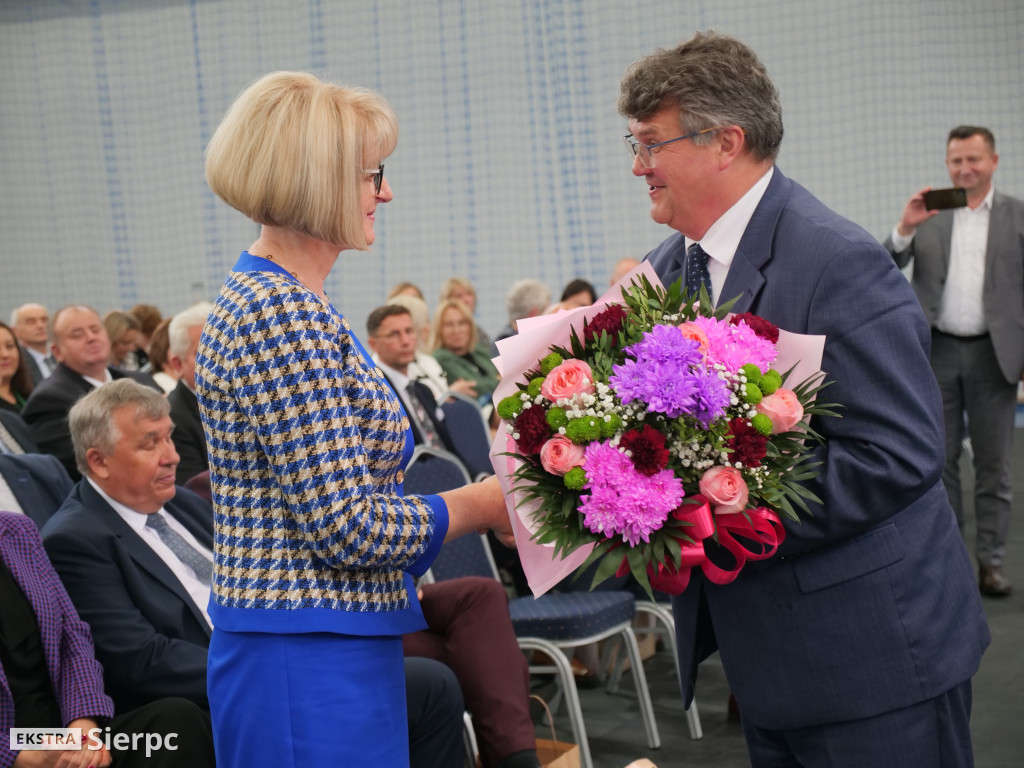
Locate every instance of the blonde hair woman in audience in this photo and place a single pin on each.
(453, 340)
(314, 544)
(15, 379)
(123, 330)
(405, 289)
(460, 289)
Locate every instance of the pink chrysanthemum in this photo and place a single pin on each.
(733, 346)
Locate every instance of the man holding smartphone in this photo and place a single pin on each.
(969, 277)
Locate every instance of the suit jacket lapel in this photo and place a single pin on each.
(139, 551)
(999, 232)
(25, 491)
(745, 281)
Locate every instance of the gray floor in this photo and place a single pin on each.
(616, 730)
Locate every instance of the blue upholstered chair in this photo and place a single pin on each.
(555, 622)
(468, 431)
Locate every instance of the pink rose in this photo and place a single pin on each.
(560, 454)
(573, 377)
(695, 333)
(725, 489)
(783, 408)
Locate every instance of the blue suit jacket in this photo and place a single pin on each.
(76, 676)
(38, 481)
(871, 604)
(150, 636)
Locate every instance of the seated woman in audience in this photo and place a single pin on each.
(123, 330)
(15, 379)
(160, 367)
(454, 343)
(460, 289)
(149, 318)
(405, 289)
(577, 293)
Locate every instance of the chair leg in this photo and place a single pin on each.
(563, 670)
(643, 694)
(664, 615)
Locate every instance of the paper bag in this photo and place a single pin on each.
(553, 753)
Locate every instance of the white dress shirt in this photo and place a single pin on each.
(961, 309)
(723, 237)
(8, 502)
(44, 362)
(197, 590)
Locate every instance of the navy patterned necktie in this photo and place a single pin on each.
(184, 551)
(697, 270)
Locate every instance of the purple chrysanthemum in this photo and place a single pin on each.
(711, 396)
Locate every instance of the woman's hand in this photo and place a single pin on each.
(463, 387)
(476, 507)
(83, 757)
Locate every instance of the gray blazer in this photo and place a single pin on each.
(1004, 275)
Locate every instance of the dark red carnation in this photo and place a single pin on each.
(533, 430)
(758, 325)
(610, 320)
(648, 448)
(748, 445)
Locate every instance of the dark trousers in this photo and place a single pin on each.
(435, 708)
(469, 630)
(179, 723)
(931, 734)
(972, 383)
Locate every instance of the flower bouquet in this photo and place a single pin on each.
(656, 424)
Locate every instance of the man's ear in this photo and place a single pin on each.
(732, 141)
(372, 342)
(176, 364)
(98, 463)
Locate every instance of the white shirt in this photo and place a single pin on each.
(8, 502)
(961, 308)
(44, 362)
(723, 237)
(197, 590)
(98, 382)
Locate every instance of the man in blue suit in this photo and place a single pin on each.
(856, 644)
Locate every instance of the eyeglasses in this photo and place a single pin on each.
(378, 177)
(638, 149)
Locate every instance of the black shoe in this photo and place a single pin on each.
(992, 583)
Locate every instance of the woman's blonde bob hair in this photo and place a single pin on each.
(436, 326)
(293, 151)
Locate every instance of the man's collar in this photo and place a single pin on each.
(398, 379)
(723, 237)
(135, 519)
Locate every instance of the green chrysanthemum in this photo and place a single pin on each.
(556, 418)
(583, 430)
(762, 424)
(771, 382)
(753, 374)
(752, 393)
(510, 407)
(550, 362)
(610, 424)
(534, 388)
(575, 479)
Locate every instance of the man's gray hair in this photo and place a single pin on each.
(714, 81)
(182, 323)
(526, 298)
(92, 417)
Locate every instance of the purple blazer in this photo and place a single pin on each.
(76, 675)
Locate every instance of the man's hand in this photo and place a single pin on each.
(914, 214)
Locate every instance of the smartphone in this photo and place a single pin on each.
(954, 197)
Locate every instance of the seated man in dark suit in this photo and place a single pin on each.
(82, 347)
(33, 484)
(49, 677)
(189, 439)
(143, 588)
(15, 436)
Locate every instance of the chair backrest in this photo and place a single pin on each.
(468, 431)
(432, 471)
(468, 555)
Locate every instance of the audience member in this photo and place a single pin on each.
(405, 289)
(81, 346)
(967, 276)
(29, 322)
(123, 331)
(189, 439)
(392, 339)
(143, 586)
(453, 341)
(15, 377)
(526, 298)
(577, 293)
(307, 443)
(869, 613)
(49, 676)
(622, 268)
(159, 365)
(34, 484)
(460, 289)
(149, 319)
(424, 367)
